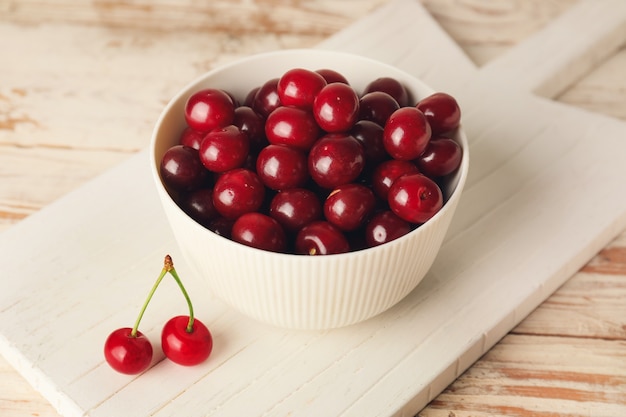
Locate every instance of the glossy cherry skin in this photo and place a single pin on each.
(415, 198)
(181, 168)
(336, 107)
(237, 192)
(406, 133)
(387, 172)
(391, 86)
(295, 208)
(441, 157)
(208, 109)
(253, 125)
(332, 76)
(377, 106)
(292, 126)
(370, 134)
(127, 354)
(183, 347)
(199, 206)
(224, 149)
(266, 99)
(442, 112)
(298, 87)
(384, 227)
(282, 167)
(321, 238)
(259, 231)
(336, 159)
(191, 137)
(349, 206)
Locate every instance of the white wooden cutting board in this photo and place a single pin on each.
(545, 193)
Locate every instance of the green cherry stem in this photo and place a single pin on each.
(169, 266)
(133, 332)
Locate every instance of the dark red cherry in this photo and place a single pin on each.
(249, 99)
(442, 112)
(336, 107)
(384, 227)
(181, 168)
(292, 126)
(336, 159)
(209, 109)
(221, 226)
(259, 231)
(237, 192)
(406, 133)
(415, 198)
(332, 76)
(253, 125)
(199, 206)
(377, 106)
(223, 149)
(391, 86)
(349, 206)
(441, 157)
(266, 99)
(295, 208)
(298, 87)
(282, 167)
(370, 134)
(321, 238)
(387, 172)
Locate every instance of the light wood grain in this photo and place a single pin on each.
(78, 101)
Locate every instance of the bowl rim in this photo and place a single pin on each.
(459, 136)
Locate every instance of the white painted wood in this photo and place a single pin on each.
(541, 200)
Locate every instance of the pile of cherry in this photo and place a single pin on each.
(307, 165)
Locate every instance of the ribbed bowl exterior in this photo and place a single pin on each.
(297, 291)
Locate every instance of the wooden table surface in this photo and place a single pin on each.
(81, 84)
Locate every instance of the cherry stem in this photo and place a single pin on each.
(133, 332)
(169, 265)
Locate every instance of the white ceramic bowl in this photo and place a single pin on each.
(298, 291)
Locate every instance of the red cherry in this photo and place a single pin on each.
(259, 231)
(208, 109)
(183, 346)
(441, 157)
(266, 99)
(387, 172)
(349, 206)
(295, 208)
(191, 137)
(442, 112)
(332, 76)
(385, 227)
(199, 206)
(252, 124)
(282, 167)
(224, 149)
(181, 168)
(126, 353)
(415, 198)
(336, 159)
(406, 133)
(336, 107)
(292, 126)
(321, 238)
(298, 87)
(237, 192)
(391, 86)
(377, 106)
(370, 134)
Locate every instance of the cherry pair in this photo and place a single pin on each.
(185, 340)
